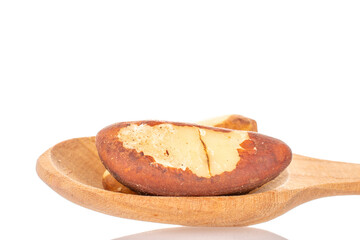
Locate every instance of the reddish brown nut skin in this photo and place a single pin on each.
(135, 170)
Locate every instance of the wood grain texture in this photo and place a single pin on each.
(73, 169)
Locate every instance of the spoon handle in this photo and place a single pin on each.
(345, 178)
(336, 178)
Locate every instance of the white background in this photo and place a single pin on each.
(69, 68)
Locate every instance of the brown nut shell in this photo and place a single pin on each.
(262, 158)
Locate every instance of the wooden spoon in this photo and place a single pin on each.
(73, 169)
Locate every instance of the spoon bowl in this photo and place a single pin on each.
(73, 169)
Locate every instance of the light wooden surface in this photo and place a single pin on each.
(72, 168)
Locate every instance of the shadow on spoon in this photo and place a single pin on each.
(202, 233)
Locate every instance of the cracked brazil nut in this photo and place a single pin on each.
(179, 159)
(233, 121)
